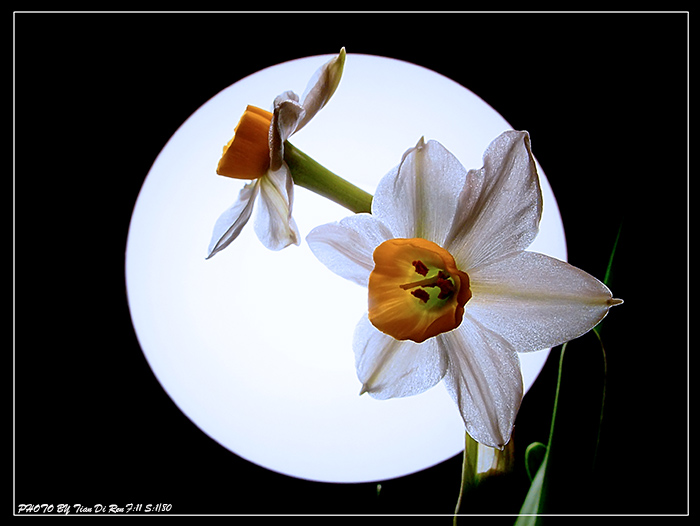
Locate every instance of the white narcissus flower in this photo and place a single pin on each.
(452, 292)
(256, 152)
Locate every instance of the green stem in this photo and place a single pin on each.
(308, 173)
(501, 463)
(608, 271)
(469, 464)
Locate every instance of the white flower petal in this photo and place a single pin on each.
(484, 379)
(287, 95)
(390, 368)
(286, 116)
(346, 247)
(321, 87)
(232, 221)
(418, 198)
(500, 205)
(536, 301)
(274, 224)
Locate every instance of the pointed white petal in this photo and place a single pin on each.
(390, 368)
(232, 221)
(418, 198)
(484, 379)
(536, 301)
(274, 224)
(321, 87)
(500, 205)
(346, 247)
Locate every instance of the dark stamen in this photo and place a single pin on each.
(420, 267)
(442, 280)
(421, 295)
(446, 288)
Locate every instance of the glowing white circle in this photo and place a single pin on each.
(254, 346)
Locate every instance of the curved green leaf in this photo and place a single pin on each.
(534, 456)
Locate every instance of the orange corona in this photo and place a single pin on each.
(416, 290)
(247, 154)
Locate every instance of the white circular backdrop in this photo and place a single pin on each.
(254, 346)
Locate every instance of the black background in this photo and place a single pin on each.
(604, 97)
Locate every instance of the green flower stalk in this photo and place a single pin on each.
(309, 174)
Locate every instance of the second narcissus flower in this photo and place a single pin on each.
(256, 153)
(452, 292)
